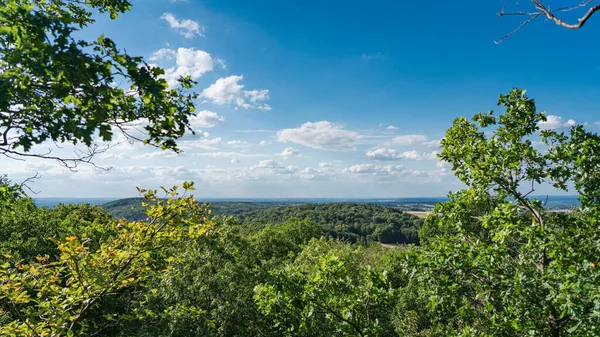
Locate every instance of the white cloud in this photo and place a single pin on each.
(163, 54)
(233, 154)
(110, 155)
(376, 169)
(274, 167)
(321, 135)
(264, 143)
(384, 154)
(410, 140)
(388, 173)
(187, 28)
(188, 62)
(234, 161)
(201, 140)
(289, 152)
(414, 155)
(324, 165)
(554, 122)
(205, 119)
(444, 166)
(415, 140)
(228, 90)
(390, 154)
(391, 127)
(157, 154)
(432, 143)
(238, 143)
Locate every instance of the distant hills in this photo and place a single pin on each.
(383, 220)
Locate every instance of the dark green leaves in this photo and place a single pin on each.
(54, 87)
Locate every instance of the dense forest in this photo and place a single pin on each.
(351, 222)
(491, 260)
(131, 208)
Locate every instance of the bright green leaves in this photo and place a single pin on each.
(497, 263)
(506, 159)
(58, 297)
(327, 293)
(55, 87)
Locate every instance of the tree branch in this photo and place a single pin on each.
(580, 22)
(542, 10)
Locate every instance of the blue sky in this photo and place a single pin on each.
(330, 98)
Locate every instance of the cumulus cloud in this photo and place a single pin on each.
(264, 143)
(274, 167)
(390, 154)
(391, 127)
(375, 169)
(201, 140)
(188, 62)
(187, 28)
(289, 152)
(321, 135)
(554, 122)
(205, 119)
(228, 90)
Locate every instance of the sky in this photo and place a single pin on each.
(332, 99)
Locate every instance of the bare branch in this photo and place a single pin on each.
(25, 183)
(561, 23)
(542, 10)
(533, 17)
(70, 163)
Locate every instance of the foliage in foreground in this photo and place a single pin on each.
(44, 297)
(493, 262)
(498, 263)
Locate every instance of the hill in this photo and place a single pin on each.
(350, 221)
(132, 210)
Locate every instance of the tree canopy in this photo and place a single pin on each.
(56, 88)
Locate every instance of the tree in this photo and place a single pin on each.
(56, 88)
(541, 10)
(65, 296)
(497, 263)
(328, 290)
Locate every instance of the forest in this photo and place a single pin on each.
(490, 261)
(348, 221)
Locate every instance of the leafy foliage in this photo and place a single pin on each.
(492, 261)
(327, 290)
(353, 222)
(498, 263)
(61, 297)
(55, 87)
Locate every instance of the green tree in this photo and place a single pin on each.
(56, 87)
(497, 263)
(75, 293)
(328, 290)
